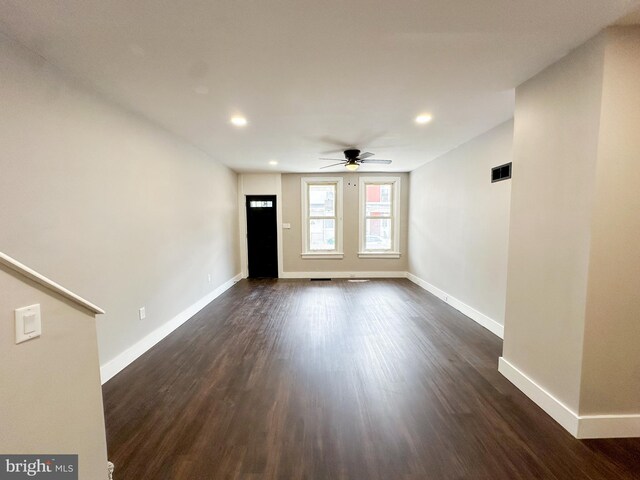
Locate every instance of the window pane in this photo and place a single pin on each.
(378, 234)
(261, 204)
(322, 200)
(322, 234)
(378, 200)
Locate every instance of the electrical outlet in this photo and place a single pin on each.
(142, 313)
(209, 278)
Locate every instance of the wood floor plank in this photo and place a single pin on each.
(291, 379)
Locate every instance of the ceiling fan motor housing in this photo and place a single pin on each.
(351, 154)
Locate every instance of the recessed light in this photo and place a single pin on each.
(423, 118)
(273, 162)
(239, 121)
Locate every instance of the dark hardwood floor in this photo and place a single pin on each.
(293, 379)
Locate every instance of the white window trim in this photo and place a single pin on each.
(395, 251)
(337, 253)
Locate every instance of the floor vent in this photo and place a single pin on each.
(320, 279)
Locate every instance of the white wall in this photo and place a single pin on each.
(110, 205)
(295, 265)
(50, 395)
(555, 151)
(258, 184)
(611, 357)
(571, 333)
(459, 222)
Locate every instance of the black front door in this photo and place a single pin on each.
(262, 240)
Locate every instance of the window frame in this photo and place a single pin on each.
(337, 252)
(396, 185)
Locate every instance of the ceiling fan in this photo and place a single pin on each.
(353, 159)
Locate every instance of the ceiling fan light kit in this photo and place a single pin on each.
(353, 166)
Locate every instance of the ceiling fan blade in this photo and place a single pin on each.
(334, 141)
(327, 166)
(370, 137)
(364, 155)
(333, 159)
(387, 146)
(384, 162)
(335, 150)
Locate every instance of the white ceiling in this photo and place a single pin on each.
(306, 72)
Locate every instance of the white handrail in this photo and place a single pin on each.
(15, 265)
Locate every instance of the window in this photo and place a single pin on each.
(260, 204)
(379, 217)
(322, 217)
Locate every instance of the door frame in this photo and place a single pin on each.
(258, 184)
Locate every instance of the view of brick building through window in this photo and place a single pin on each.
(378, 217)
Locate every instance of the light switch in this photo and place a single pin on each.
(28, 323)
(286, 225)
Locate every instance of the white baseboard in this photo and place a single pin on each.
(545, 400)
(580, 426)
(609, 426)
(119, 363)
(343, 274)
(488, 323)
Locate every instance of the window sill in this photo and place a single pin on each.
(322, 256)
(378, 254)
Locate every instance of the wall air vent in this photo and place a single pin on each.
(503, 172)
